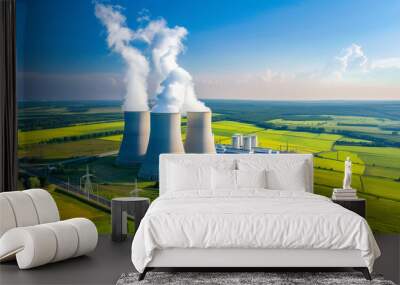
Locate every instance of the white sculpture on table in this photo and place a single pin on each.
(347, 174)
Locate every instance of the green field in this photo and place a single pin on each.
(376, 186)
(113, 190)
(104, 169)
(385, 172)
(228, 128)
(67, 150)
(336, 165)
(70, 207)
(73, 208)
(383, 215)
(364, 134)
(334, 179)
(116, 138)
(283, 140)
(351, 123)
(351, 140)
(379, 156)
(381, 162)
(37, 136)
(328, 162)
(276, 139)
(112, 180)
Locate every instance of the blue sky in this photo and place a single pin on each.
(286, 41)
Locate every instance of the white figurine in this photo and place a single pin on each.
(347, 174)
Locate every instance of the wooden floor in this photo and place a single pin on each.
(110, 260)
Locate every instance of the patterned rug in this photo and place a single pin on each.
(243, 278)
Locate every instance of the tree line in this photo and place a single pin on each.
(373, 140)
(82, 137)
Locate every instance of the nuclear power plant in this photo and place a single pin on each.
(135, 138)
(165, 137)
(149, 134)
(199, 137)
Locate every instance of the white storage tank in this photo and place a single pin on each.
(240, 139)
(247, 143)
(236, 141)
(254, 140)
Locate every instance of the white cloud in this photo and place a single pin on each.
(143, 15)
(386, 63)
(265, 85)
(350, 76)
(293, 87)
(270, 76)
(353, 61)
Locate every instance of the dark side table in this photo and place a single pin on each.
(120, 209)
(356, 205)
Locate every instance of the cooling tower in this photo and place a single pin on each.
(165, 137)
(135, 139)
(199, 137)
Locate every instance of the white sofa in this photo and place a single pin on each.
(31, 231)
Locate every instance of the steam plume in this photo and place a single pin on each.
(171, 84)
(118, 39)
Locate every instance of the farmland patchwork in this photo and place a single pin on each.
(59, 154)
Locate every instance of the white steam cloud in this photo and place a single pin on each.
(118, 39)
(170, 84)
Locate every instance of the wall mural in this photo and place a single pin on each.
(274, 77)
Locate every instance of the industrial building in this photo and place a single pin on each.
(149, 134)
